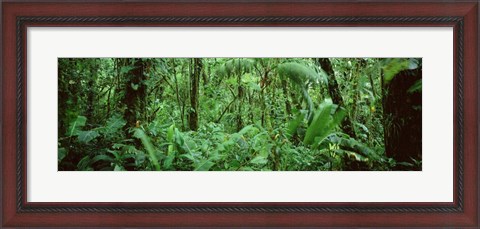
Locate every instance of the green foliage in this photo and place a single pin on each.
(76, 125)
(87, 136)
(396, 65)
(416, 87)
(62, 153)
(114, 124)
(138, 133)
(236, 66)
(293, 124)
(298, 73)
(254, 114)
(326, 118)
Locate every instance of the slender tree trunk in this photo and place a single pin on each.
(239, 102)
(372, 85)
(119, 85)
(335, 94)
(205, 72)
(263, 107)
(134, 94)
(194, 93)
(381, 86)
(91, 90)
(108, 102)
(251, 104)
(263, 87)
(288, 107)
(225, 110)
(177, 93)
(273, 103)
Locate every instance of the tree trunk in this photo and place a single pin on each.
(403, 118)
(177, 93)
(335, 94)
(288, 107)
(63, 92)
(134, 94)
(91, 90)
(239, 102)
(194, 85)
(273, 104)
(108, 103)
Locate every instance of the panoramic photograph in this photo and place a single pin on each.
(239, 114)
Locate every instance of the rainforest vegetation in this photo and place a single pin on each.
(239, 114)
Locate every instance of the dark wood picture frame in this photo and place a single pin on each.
(17, 16)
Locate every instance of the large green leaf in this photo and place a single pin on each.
(293, 124)
(113, 125)
(319, 124)
(416, 87)
(323, 122)
(102, 157)
(170, 133)
(236, 66)
(148, 146)
(259, 160)
(395, 65)
(338, 115)
(298, 73)
(169, 160)
(118, 168)
(84, 164)
(204, 165)
(87, 136)
(62, 153)
(309, 102)
(76, 125)
(352, 144)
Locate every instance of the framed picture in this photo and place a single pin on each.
(247, 114)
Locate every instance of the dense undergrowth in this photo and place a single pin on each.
(245, 124)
